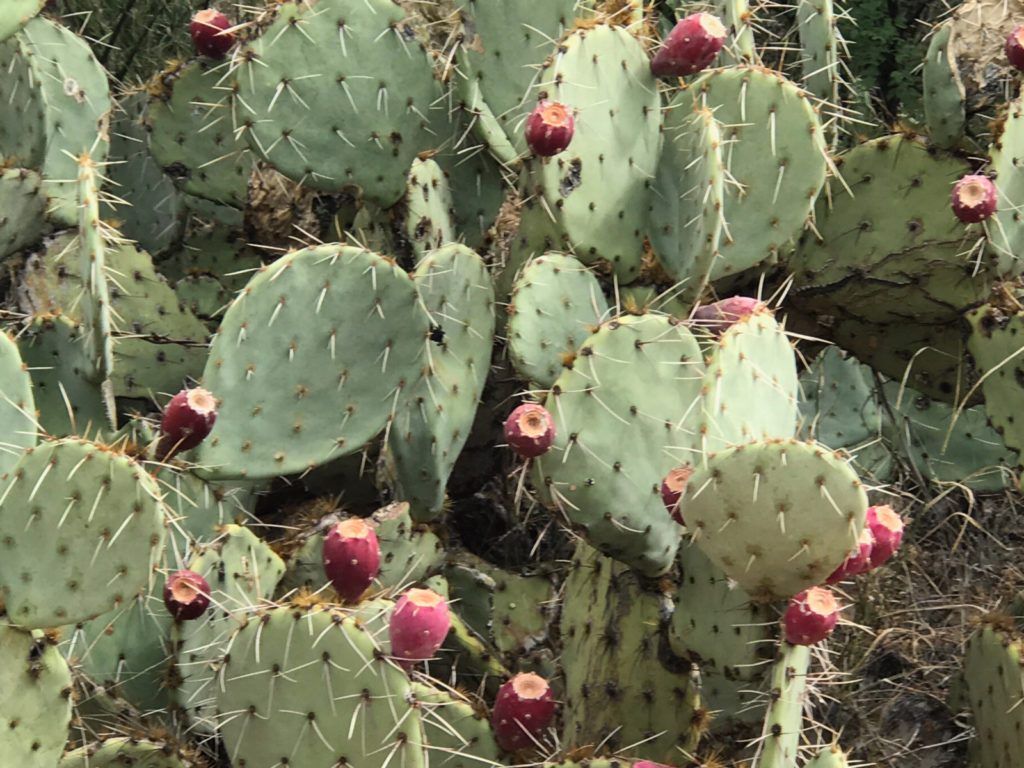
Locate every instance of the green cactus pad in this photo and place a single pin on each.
(242, 572)
(192, 134)
(783, 724)
(750, 387)
(619, 417)
(434, 419)
(158, 343)
(306, 688)
(24, 203)
(776, 517)
(775, 159)
(311, 360)
(944, 96)
(736, 16)
(994, 672)
(337, 119)
(819, 46)
(457, 736)
(17, 14)
(832, 757)
(950, 445)
(686, 214)
(80, 531)
(995, 347)
(430, 220)
(1004, 229)
(75, 98)
(885, 263)
(126, 752)
(17, 405)
(152, 210)
(594, 196)
(63, 381)
(556, 304)
(620, 695)
(36, 711)
(505, 43)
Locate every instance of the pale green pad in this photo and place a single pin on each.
(17, 405)
(242, 572)
(556, 304)
(305, 689)
(23, 204)
(776, 517)
(355, 114)
(994, 671)
(192, 135)
(310, 361)
(430, 220)
(750, 387)
(596, 193)
(1004, 229)
(124, 752)
(783, 723)
(944, 109)
(80, 531)
(434, 419)
(894, 252)
(457, 736)
(775, 159)
(816, 25)
(17, 14)
(619, 417)
(36, 707)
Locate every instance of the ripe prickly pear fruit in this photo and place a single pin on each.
(523, 708)
(691, 46)
(974, 198)
(530, 430)
(418, 626)
(858, 561)
(811, 616)
(1015, 48)
(887, 528)
(672, 489)
(186, 595)
(351, 558)
(186, 422)
(549, 128)
(209, 35)
(717, 317)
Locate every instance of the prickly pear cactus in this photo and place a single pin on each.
(995, 684)
(77, 514)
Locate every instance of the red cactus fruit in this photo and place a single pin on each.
(418, 626)
(887, 528)
(209, 35)
(717, 317)
(549, 128)
(186, 595)
(974, 198)
(186, 422)
(1015, 48)
(351, 558)
(672, 489)
(530, 430)
(691, 46)
(523, 708)
(811, 616)
(858, 561)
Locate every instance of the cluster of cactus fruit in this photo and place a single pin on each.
(283, 272)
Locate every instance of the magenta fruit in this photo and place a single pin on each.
(351, 558)
(974, 198)
(1015, 48)
(858, 561)
(811, 616)
(716, 318)
(186, 422)
(418, 626)
(186, 595)
(672, 489)
(209, 35)
(691, 46)
(523, 708)
(887, 528)
(530, 430)
(549, 128)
